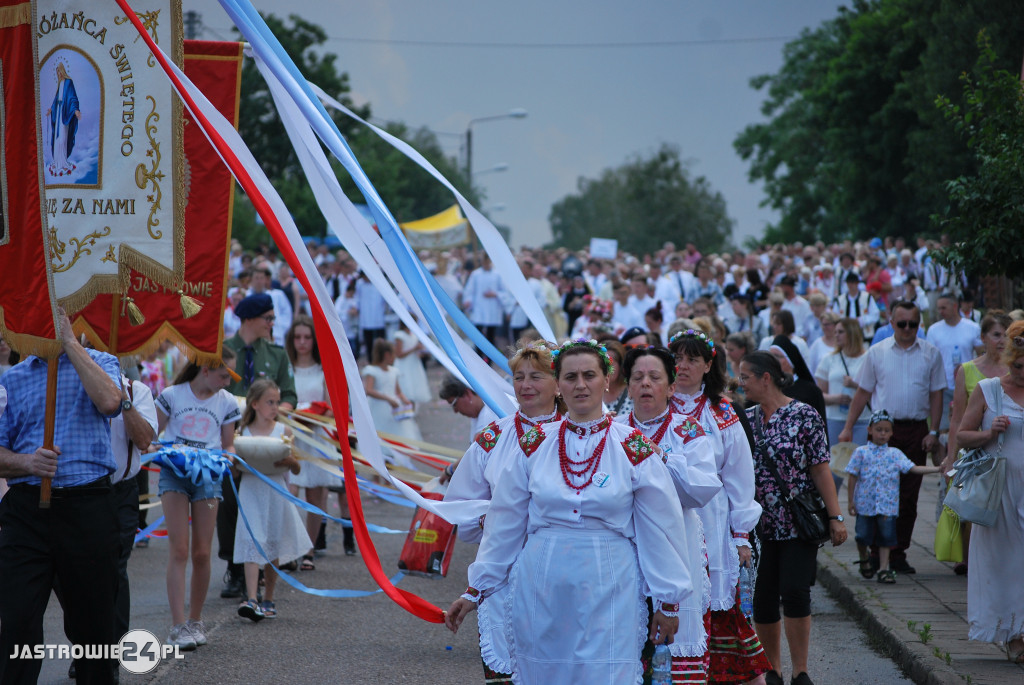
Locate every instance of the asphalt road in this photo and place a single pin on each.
(371, 640)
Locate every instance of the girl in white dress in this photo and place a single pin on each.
(476, 478)
(410, 365)
(274, 521)
(580, 514)
(997, 551)
(688, 454)
(380, 380)
(310, 387)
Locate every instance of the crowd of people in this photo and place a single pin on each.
(649, 466)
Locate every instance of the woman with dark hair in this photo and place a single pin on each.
(782, 323)
(736, 654)
(802, 387)
(690, 458)
(655, 322)
(789, 438)
(476, 478)
(582, 522)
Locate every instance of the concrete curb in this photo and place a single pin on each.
(919, 664)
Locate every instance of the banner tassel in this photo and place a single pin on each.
(135, 316)
(189, 305)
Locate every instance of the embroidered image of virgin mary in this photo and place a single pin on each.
(64, 113)
(72, 98)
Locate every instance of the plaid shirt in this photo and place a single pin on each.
(82, 433)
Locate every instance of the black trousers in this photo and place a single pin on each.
(227, 518)
(786, 570)
(369, 335)
(73, 544)
(126, 499)
(142, 482)
(126, 502)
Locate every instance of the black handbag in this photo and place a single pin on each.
(807, 509)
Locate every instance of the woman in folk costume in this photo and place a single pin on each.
(736, 653)
(476, 478)
(581, 513)
(690, 457)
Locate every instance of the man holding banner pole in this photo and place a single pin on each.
(74, 542)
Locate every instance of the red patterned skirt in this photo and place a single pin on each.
(736, 652)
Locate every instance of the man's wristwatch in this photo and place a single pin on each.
(935, 433)
(126, 405)
(837, 517)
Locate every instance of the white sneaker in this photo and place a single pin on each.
(181, 637)
(198, 630)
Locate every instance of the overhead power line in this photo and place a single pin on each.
(501, 45)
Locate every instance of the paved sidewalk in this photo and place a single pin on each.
(896, 615)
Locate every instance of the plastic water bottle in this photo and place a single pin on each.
(661, 665)
(956, 356)
(746, 593)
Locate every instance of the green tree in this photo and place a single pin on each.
(409, 192)
(643, 203)
(986, 209)
(853, 146)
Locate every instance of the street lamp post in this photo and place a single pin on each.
(511, 114)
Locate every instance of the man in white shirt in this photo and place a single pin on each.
(463, 400)
(371, 316)
(857, 304)
(594, 276)
(261, 283)
(482, 299)
(794, 303)
(640, 301)
(684, 284)
(130, 432)
(623, 314)
(957, 338)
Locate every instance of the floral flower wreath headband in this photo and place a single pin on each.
(699, 335)
(601, 350)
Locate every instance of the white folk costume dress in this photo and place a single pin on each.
(577, 518)
(690, 458)
(728, 519)
(476, 479)
(310, 388)
(275, 522)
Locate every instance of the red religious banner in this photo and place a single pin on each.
(216, 67)
(27, 309)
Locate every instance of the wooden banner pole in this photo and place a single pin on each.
(50, 419)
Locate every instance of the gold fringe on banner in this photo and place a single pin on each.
(25, 344)
(15, 15)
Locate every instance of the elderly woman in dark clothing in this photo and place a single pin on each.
(803, 387)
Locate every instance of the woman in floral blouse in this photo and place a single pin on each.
(791, 436)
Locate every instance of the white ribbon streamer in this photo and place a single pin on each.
(360, 408)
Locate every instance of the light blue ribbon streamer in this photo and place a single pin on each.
(334, 594)
(145, 533)
(306, 506)
(267, 46)
(194, 463)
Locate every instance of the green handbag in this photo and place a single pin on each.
(949, 544)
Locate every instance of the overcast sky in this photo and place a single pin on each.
(601, 82)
